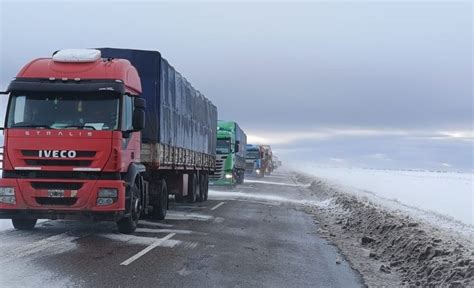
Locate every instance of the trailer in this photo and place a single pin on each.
(106, 134)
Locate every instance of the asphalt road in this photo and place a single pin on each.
(256, 235)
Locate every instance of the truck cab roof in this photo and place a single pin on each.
(75, 70)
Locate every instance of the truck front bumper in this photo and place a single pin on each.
(59, 214)
(60, 199)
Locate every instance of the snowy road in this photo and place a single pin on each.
(258, 235)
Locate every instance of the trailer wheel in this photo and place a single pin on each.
(193, 188)
(160, 204)
(202, 187)
(128, 224)
(206, 187)
(24, 224)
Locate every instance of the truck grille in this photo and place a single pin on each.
(31, 158)
(35, 153)
(68, 201)
(249, 166)
(76, 163)
(219, 171)
(57, 185)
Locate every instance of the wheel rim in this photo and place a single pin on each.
(136, 209)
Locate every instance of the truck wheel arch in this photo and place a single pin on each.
(130, 177)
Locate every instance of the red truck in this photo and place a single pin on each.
(106, 134)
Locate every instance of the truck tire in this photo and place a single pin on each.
(202, 187)
(160, 204)
(24, 224)
(193, 188)
(240, 179)
(129, 223)
(206, 187)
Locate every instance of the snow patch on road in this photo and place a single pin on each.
(18, 260)
(5, 224)
(265, 198)
(139, 240)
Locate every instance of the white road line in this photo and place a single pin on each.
(217, 206)
(161, 225)
(157, 243)
(176, 231)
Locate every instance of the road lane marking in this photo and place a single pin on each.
(176, 231)
(161, 225)
(217, 206)
(179, 215)
(157, 243)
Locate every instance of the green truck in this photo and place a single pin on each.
(230, 154)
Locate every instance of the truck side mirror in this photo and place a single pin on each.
(138, 120)
(139, 103)
(237, 146)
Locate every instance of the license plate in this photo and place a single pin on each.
(55, 193)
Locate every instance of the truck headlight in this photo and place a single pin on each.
(104, 201)
(7, 191)
(228, 176)
(106, 196)
(108, 192)
(8, 199)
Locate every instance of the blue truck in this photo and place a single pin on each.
(253, 160)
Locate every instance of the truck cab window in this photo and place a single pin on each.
(127, 113)
(223, 146)
(56, 110)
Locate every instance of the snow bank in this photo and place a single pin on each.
(449, 194)
(391, 249)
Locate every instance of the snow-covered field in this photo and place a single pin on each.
(437, 193)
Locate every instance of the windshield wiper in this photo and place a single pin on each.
(32, 126)
(80, 127)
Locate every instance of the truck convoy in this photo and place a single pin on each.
(230, 154)
(104, 133)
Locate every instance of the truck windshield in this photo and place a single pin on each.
(252, 154)
(223, 146)
(54, 110)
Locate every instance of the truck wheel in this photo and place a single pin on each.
(193, 188)
(202, 187)
(160, 204)
(24, 224)
(128, 224)
(240, 180)
(206, 187)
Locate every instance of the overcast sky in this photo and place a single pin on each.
(356, 83)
